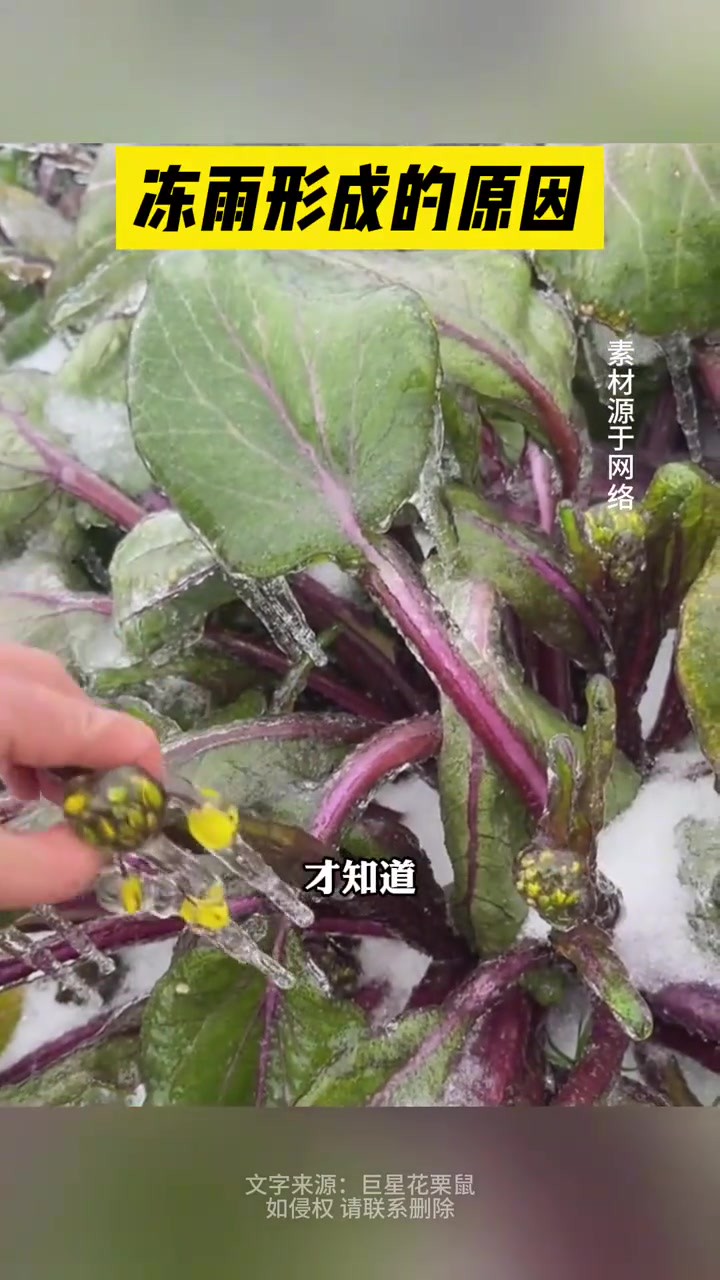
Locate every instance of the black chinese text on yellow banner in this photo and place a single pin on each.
(321, 198)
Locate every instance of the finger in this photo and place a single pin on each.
(35, 666)
(43, 729)
(46, 866)
(22, 782)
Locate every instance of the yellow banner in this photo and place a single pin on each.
(324, 198)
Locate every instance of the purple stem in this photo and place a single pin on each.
(394, 748)
(503, 1043)
(676, 1038)
(77, 480)
(483, 989)
(272, 1004)
(558, 428)
(115, 932)
(436, 986)
(598, 1069)
(356, 652)
(328, 686)
(393, 582)
(54, 1051)
(672, 724)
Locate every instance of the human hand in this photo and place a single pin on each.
(47, 722)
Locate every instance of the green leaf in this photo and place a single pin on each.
(104, 1075)
(360, 1073)
(308, 1032)
(589, 949)
(699, 871)
(207, 1020)
(696, 657)
(11, 1008)
(264, 386)
(485, 825)
(31, 225)
(662, 215)
(93, 279)
(201, 1033)
(164, 584)
(523, 568)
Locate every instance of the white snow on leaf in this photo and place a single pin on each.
(46, 359)
(43, 1019)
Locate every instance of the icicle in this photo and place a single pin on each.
(677, 350)
(317, 977)
(237, 943)
(427, 498)
(597, 368)
(291, 688)
(273, 602)
(22, 947)
(77, 938)
(243, 861)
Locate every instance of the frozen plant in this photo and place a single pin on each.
(429, 425)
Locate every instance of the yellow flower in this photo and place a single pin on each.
(213, 828)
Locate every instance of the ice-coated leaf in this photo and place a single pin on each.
(31, 225)
(499, 335)
(523, 568)
(164, 727)
(86, 406)
(697, 661)
(282, 406)
(215, 1034)
(470, 607)
(93, 279)
(164, 584)
(11, 1007)
(699, 870)
(187, 689)
(589, 949)
(74, 625)
(274, 767)
(359, 1075)
(104, 1075)
(27, 497)
(659, 272)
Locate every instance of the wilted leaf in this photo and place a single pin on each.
(164, 583)
(589, 949)
(662, 215)
(104, 1075)
(281, 406)
(696, 657)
